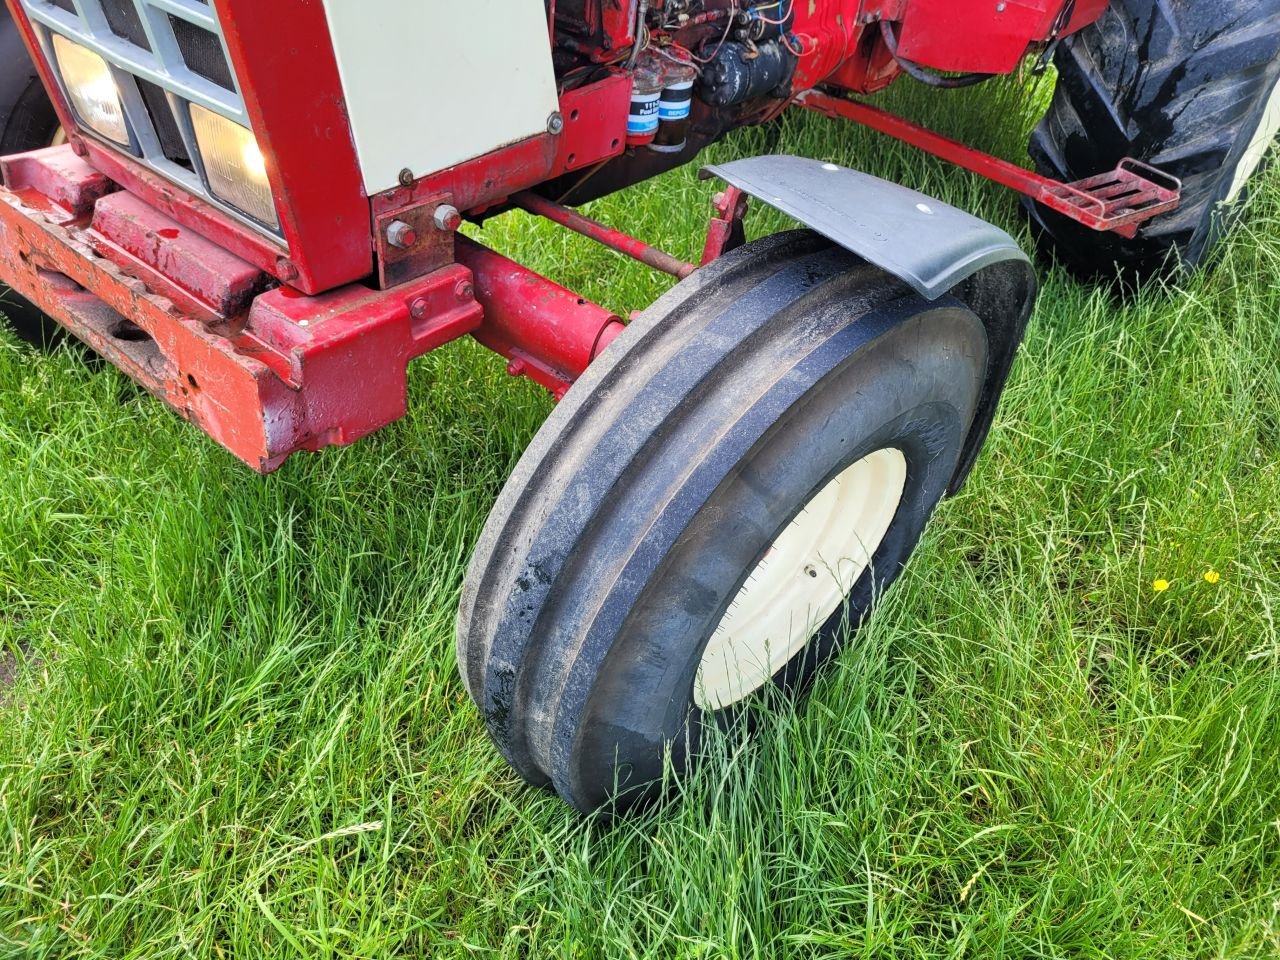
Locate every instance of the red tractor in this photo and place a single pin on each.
(252, 209)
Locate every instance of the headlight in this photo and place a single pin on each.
(234, 165)
(92, 90)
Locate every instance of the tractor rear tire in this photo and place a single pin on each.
(710, 510)
(27, 122)
(1189, 86)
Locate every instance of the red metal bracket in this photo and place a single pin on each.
(410, 243)
(1115, 201)
(266, 373)
(724, 232)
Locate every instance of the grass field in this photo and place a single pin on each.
(236, 729)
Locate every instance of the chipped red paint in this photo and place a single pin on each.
(57, 175)
(133, 235)
(188, 210)
(482, 182)
(294, 372)
(287, 371)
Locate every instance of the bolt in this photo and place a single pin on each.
(463, 290)
(286, 270)
(999, 8)
(418, 309)
(78, 148)
(400, 234)
(406, 177)
(447, 217)
(555, 122)
(515, 368)
(718, 199)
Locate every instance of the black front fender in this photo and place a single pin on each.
(930, 245)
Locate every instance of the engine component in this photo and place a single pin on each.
(757, 25)
(646, 87)
(673, 108)
(739, 73)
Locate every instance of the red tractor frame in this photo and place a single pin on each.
(269, 373)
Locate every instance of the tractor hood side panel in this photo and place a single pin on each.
(430, 85)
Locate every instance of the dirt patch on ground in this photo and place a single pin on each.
(10, 662)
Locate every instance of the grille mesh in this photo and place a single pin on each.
(166, 124)
(173, 51)
(122, 17)
(202, 52)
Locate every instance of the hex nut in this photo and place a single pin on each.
(447, 217)
(400, 234)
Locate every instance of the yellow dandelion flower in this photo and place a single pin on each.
(1212, 576)
(1159, 586)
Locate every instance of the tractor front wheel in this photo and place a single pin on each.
(711, 510)
(27, 122)
(1190, 86)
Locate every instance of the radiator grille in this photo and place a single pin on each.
(165, 55)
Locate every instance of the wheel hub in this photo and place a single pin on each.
(1259, 144)
(801, 579)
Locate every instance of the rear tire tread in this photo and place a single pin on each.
(1148, 80)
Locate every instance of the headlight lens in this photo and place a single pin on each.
(92, 90)
(234, 165)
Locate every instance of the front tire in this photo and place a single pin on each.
(1189, 86)
(614, 607)
(27, 122)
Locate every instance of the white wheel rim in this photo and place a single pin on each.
(801, 580)
(1258, 146)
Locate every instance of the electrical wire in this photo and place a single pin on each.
(733, 10)
(805, 50)
(663, 52)
(642, 35)
(782, 19)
